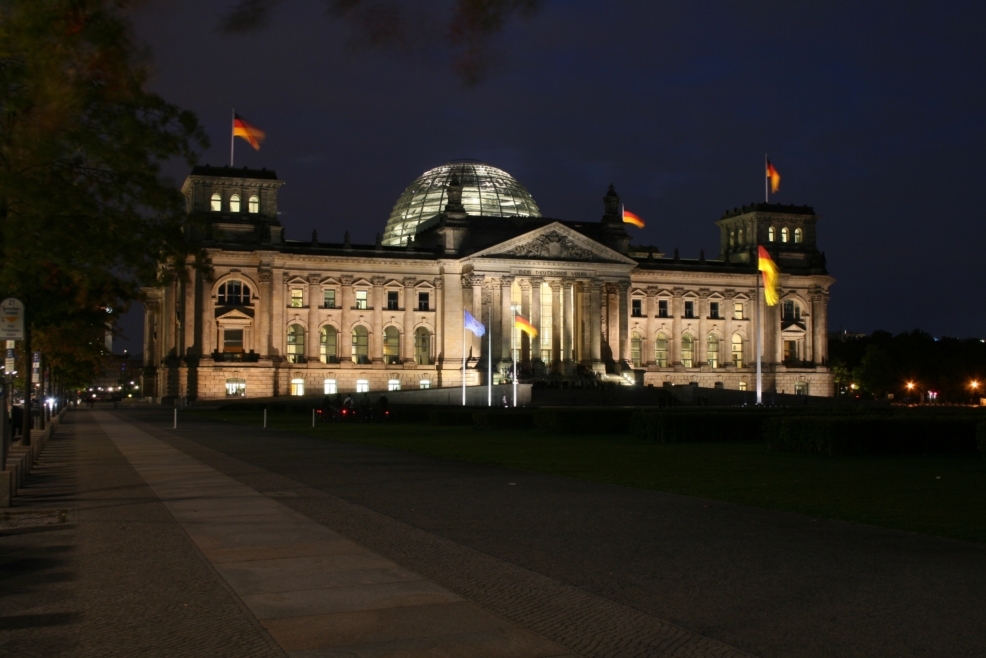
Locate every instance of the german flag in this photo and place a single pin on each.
(630, 218)
(775, 178)
(767, 265)
(248, 131)
(521, 323)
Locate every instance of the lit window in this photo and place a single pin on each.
(732, 238)
(235, 388)
(297, 387)
(689, 309)
(714, 310)
(297, 298)
(361, 345)
(635, 342)
(216, 203)
(392, 300)
(740, 238)
(770, 234)
(784, 234)
(687, 350)
(328, 345)
(424, 383)
(328, 298)
(799, 236)
(422, 301)
(737, 350)
(361, 300)
(661, 351)
(330, 387)
(234, 203)
(791, 311)
(801, 388)
(742, 386)
(232, 340)
(737, 310)
(790, 350)
(391, 345)
(393, 384)
(713, 351)
(296, 344)
(362, 386)
(233, 293)
(662, 308)
(636, 307)
(422, 347)
(254, 204)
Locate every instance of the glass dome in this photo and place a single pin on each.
(486, 191)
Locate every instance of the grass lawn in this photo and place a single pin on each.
(934, 495)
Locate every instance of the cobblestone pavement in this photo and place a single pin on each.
(597, 568)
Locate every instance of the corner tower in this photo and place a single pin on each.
(234, 205)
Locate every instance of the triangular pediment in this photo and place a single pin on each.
(555, 242)
(234, 313)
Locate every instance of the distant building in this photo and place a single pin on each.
(289, 317)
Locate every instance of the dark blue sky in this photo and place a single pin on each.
(874, 113)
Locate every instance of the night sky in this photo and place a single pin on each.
(873, 112)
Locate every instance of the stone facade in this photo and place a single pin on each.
(280, 317)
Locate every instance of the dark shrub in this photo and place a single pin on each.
(583, 421)
(409, 413)
(719, 425)
(504, 420)
(869, 435)
(450, 416)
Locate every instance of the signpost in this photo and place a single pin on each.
(11, 319)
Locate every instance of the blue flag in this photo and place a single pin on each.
(474, 325)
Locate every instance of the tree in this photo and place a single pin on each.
(85, 215)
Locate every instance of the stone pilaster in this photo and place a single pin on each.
(624, 287)
(556, 325)
(345, 337)
(595, 324)
(264, 308)
(506, 318)
(376, 333)
(314, 293)
(525, 310)
(407, 340)
(677, 310)
(536, 283)
(649, 346)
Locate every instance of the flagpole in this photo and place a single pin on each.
(232, 139)
(513, 350)
(489, 359)
(463, 358)
(759, 342)
(766, 180)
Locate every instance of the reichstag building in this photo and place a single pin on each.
(291, 317)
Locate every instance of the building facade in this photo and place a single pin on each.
(285, 317)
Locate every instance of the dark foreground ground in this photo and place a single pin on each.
(540, 550)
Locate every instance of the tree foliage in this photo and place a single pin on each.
(85, 215)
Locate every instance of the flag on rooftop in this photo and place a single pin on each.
(521, 323)
(775, 178)
(474, 325)
(770, 275)
(631, 218)
(248, 131)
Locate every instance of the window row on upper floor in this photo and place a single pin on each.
(739, 236)
(689, 309)
(253, 203)
(237, 293)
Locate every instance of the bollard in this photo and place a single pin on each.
(176, 420)
(265, 419)
(313, 418)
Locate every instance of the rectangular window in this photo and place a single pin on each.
(235, 388)
(689, 309)
(662, 308)
(330, 387)
(361, 300)
(422, 301)
(297, 298)
(393, 385)
(737, 310)
(297, 387)
(801, 388)
(790, 350)
(329, 298)
(742, 386)
(232, 340)
(392, 300)
(636, 307)
(362, 386)
(424, 383)
(714, 310)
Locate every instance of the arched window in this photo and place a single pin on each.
(737, 350)
(422, 346)
(254, 204)
(799, 236)
(234, 203)
(713, 351)
(361, 345)
(661, 349)
(732, 238)
(391, 345)
(328, 345)
(635, 343)
(296, 344)
(791, 310)
(770, 234)
(216, 203)
(687, 350)
(784, 234)
(233, 293)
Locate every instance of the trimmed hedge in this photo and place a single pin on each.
(583, 421)
(504, 420)
(981, 438)
(446, 416)
(736, 426)
(872, 435)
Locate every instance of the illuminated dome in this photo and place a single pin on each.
(486, 191)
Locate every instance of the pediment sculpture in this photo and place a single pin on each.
(552, 245)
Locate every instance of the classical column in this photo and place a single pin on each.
(595, 323)
(345, 337)
(556, 325)
(188, 318)
(676, 312)
(312, 339)
(819, 325)
(649, 346)
(442, 323)
(525, 310)
(407, 339)
(536, 282)
(568, 300)
(702, 349)
(582, 321)
(150, 310)
(376, 335)
(476, 281)
(726, 351)
(264, 308)
(506, 317)
(624, 287)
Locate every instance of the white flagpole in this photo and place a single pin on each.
(463, 357)
(513, 350)
(232, 140)
(489, 358)
(759, 341)
(766, 181)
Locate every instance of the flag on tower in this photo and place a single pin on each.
(248, 131)
(775, 178)
(767, 265)
(521, 323)
(474, 325)
(630, 218)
